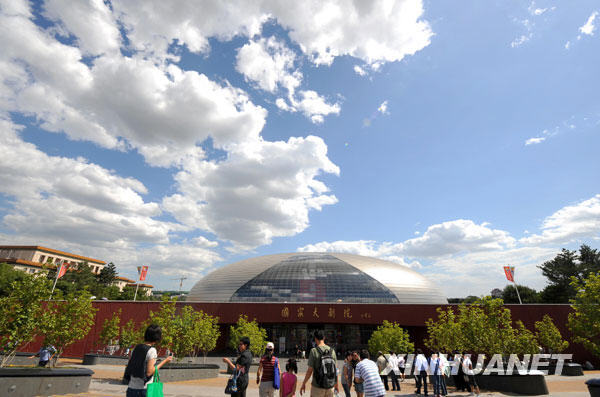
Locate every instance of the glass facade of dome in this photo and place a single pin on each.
(313, 278)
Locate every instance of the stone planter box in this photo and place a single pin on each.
(175, 372)
(593, 387)
(533, 384)
(23, 359)
(94, 359)
(29, 382)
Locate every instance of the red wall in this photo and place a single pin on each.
(269, 313)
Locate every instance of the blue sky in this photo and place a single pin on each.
(452, 140)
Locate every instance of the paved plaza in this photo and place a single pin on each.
(106, 383)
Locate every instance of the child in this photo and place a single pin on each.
(288, 379)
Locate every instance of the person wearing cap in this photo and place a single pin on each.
(266, 372)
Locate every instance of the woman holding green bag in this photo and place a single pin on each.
(142, 364)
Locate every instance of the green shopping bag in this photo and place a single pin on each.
(155, 389)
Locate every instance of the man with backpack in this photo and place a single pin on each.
(322, 368)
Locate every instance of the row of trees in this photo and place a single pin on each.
(487, 327)
(26, 314)
(99, 285)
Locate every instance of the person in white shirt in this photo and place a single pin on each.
(401, 363)
(467, 367)
(436, 368)
(421, 367)
(393, 365)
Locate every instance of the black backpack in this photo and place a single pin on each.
(326, 374)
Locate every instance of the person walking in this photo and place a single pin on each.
(382, 364)
(458, 375)
(322, 368)
(266, 372)
(436, 368)
(401, 364)
(347, 372)
(367, 373)
(242, 365)
(467, 367)
(393, 370)
(359, 388)
(421, 367)
(142, 365)
(289, 379)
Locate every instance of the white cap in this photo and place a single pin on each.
(270, 345)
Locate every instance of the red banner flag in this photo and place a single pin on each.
(142, 270)
(62, 270)
(510, 273)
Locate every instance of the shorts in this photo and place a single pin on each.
(43, 363)
(472, 380)
(318, 392)
(359, 387)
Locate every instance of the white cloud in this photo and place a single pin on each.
(269, 63)
(588, 28)
(383, 108)
(452, 237)
(359, 71)
(261, 191)
(465, 258)
(535, 141)
(81, 202)
(314, 106)
(570, 223)
(91, 22)
(519, 41)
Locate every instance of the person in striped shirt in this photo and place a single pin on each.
(367, 373)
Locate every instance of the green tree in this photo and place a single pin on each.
(390, 336)
(549, 336)
(257, 335)
(20, 314)
(67, 320)
(565, 266)
(444, 334)
(524, 341)
(184, 333)
(584, 322)
(207, 333)
(107, 274)
(484, 327)
(164, 318)
(131, 334)
(528, 295)
(9, 275)
(110, 330)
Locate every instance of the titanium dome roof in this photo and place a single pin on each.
(316, 277)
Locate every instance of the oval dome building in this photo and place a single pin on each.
(316, 278)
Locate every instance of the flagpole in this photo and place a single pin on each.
(519, 296)
(137, 285)
(55, 280)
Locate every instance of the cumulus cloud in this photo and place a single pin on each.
(261, 191)
(377, 31)
(452, 237)
(359, 71)
(581, 220)
(270, 65)
(463, 254)
(589, 27)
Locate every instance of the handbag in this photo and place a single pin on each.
(276, 375)
(232, 383)
(155, 389)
